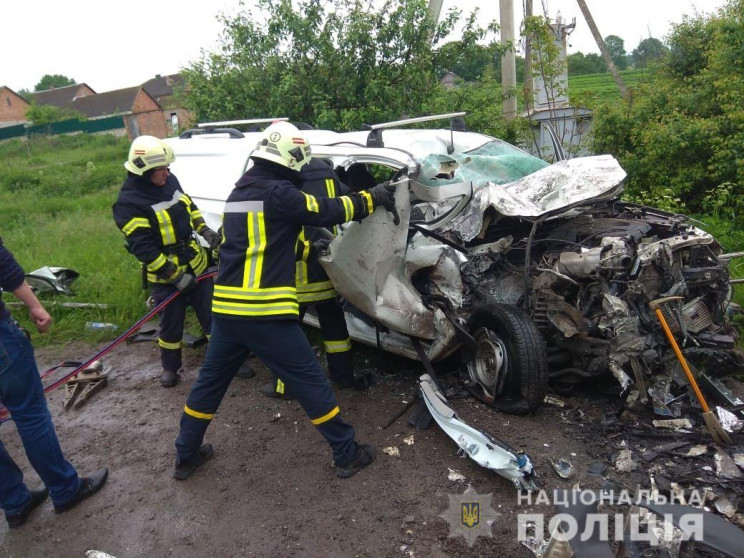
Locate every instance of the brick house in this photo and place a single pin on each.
(169, 91)
(13, 107)
(141, 112)
(61, 97)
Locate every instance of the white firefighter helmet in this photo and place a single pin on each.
(285, 144)
(146, 153)
(170, 155)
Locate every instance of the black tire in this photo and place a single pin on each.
(527, 376)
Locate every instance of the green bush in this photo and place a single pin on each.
(681, 136)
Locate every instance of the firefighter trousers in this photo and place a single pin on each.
(336, 343)
(172, 317)
(283, 348)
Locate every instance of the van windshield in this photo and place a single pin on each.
(494, 161)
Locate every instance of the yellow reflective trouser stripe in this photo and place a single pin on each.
(312, 203)
(279, 386)
(197, 414)
(368, 198)
(326, 417)
(166, 227)
(330, 187)
(337, 346)
(168, 345)
(157, 263)
(136, 223)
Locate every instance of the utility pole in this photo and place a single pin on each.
(528, 88)
(603, 49)
(435, 9)
(508, 61)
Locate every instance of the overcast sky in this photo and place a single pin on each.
(113, 44)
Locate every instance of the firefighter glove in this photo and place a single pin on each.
(383, 195)
(213, 239)
(185, 283)
(318, 248)
(168, 272)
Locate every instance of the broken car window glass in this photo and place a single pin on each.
(493, 161)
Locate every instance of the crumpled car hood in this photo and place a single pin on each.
(560, 186)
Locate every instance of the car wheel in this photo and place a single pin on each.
(510, 364)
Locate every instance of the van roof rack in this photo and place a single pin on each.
(237, 122)
(219, 127)
(232, 132)
(374, 139)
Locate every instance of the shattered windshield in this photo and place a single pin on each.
(495, 161)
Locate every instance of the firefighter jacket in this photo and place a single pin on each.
(158, 223)
(263, 218)
(319, 180)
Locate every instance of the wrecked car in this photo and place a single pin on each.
(519, 271)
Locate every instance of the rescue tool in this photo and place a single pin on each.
(142, 321)
(720, 436)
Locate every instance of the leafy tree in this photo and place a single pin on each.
(686, 57)
(648, 51)
(47, 114)
(616, 46)
(581, 64)
(684, 130)
(468, 57)
(50, 81)
(333, 63)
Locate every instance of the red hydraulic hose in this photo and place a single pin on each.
(4, 411)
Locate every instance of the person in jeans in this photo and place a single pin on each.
(22, 394)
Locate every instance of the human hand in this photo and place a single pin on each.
(41, 318)
(213, 239)
(383, 195)
(318, 248)
(185, 283)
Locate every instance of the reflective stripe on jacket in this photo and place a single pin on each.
(319, 180)
(263, 218)
(158, 223)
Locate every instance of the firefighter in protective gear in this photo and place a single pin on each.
(160, 222)
(255, 305)
(315, 288)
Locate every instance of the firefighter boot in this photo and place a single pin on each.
(168, 378)
(365, 454)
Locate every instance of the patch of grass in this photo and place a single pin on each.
(595, 89)
(62, 218)
(731, 237)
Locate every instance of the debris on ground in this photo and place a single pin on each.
(678, 425)
(392, 451)
(624, 462)
(725, 466)
(456, 476)
(563, 468)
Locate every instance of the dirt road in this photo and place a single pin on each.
(271, 489)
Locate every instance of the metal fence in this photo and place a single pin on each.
(71, 126)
